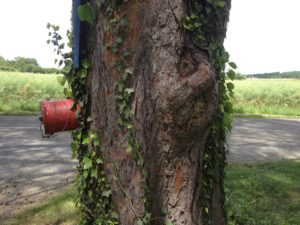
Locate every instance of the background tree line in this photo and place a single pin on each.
(290, 74)
(22, 64)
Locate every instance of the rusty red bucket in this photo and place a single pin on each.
(58, 116)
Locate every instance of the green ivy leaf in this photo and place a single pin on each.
(119, 85)
(140, 222)
(129, 149)
(225, 56)
(99, 161)
(231, 74)
(106, 193)
(228, 107)
(115, 50)
(227, 121)
(94, 173)
(220, 4)
(73, 147)
(147, 218)
(119, 97)
(86, 63)
(230, 86)
(61, 80)
(85, 13)
(114, 215)
(67, 93)
(193, 16)
(122, 107)
(85, 174)
(92, 135)
(85, 139)
(129, 70)
(232, 65)
(87, 163)
(118, 41)
(124, 22)
(126, 53)
(96, 142)
(168, 222)
(67, 69)
(129, 90)
(127, 113)
(188, 25)
(113, 63)
(82, 73)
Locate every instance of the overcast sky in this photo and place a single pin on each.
(23, 27)
(263, 35)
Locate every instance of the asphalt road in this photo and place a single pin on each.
(254, 140)
(32, 167)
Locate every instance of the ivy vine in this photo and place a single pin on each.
(118, 28)
(94, 193)
(203, 22)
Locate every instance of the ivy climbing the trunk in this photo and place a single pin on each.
(152, 87)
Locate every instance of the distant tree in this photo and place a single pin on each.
(22, 64)
(291, 74)
(239, 76)
(25, 64)
(2, 59)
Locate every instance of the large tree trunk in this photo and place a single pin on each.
(173, 107)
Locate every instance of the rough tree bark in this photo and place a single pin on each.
(174, 105)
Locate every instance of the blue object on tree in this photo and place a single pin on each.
(76, 34)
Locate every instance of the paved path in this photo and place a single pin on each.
(32, 167)
(264, 140)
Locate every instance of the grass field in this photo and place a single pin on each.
(257, 194)
(267, 97)
(20, 93)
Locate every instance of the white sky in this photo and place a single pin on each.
(263, 35)
(23, 29)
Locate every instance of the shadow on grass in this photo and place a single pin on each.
(265, 193)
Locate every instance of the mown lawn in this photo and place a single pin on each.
(257, 194)
(57, 210)
(264, 194)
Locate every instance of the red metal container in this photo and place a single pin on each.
(58, 116)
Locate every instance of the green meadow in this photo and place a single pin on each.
(20, 93)
(278, 97)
